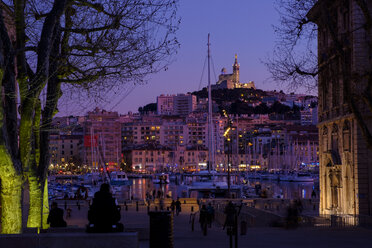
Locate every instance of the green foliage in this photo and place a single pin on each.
(125, 167)
(151, 107)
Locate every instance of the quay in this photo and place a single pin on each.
(259, 233)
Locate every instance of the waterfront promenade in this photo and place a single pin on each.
(255, 237)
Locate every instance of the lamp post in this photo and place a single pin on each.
(228, 166)
(229, 150)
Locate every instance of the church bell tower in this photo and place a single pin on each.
(236, 67)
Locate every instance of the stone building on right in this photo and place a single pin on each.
(344, 56)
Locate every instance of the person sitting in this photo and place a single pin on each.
(55, 217)
(104, 214)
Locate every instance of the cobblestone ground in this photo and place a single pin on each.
(255, 237)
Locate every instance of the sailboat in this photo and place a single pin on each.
(207, 184)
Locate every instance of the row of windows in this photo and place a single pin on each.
(71, 146)
(63, 152)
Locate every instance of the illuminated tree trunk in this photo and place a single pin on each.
(36, 199)
(28, 157)
(10, 195)
(10, 166)
(39, 203)
(45, 206)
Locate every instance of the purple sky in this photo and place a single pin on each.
(236, 26)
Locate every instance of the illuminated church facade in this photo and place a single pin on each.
(232, 81)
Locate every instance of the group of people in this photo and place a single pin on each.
(103, 214)
(152, 195)
(176, 205)
(206, 217)
(293, 212)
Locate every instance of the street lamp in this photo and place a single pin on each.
(229, 143)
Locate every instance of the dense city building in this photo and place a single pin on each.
(66, 143)
(180, 104)
(102, 138)
(267, 130)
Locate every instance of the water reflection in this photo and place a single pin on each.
(288, 190)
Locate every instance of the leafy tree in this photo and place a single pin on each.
(261, 109)
(279, 108)
(91, 45)
(151, 107)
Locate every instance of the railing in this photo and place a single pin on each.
(273, 212)
(337, 221)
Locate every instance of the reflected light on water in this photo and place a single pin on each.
(289, 190)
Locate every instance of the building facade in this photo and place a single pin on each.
(165, 104)
(232, 81)
(102, 144)
(345, 167)
(66, 143)
(184, 104)
(180, 104)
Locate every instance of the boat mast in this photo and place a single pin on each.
(91, 146)
(210, 113)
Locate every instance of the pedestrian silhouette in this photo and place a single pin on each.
(104, 214)
(173, 205)
(55, 217)
(178, 206)
(313, 194)
(68, 213)
(230, 212)
(210, 216)
(203, 219)
(292, 215)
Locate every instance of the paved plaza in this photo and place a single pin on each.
(184, 237)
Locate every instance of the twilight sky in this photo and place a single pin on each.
(236, 26)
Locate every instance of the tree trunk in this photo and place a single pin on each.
(11, 195)
(45, 225)
(10, 168)
(36, 199)
(39, 203)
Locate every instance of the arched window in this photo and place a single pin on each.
(335, 138)
(325, 139)
(346, 137)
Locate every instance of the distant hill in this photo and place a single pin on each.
(226, 95)
(241, 101)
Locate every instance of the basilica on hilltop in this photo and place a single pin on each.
(232, 81)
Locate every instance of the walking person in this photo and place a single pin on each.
(210, 211)
(313, 194)
(203, 219)
(230, 212)
(173, 206)
(178, 206)
(68, 213)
